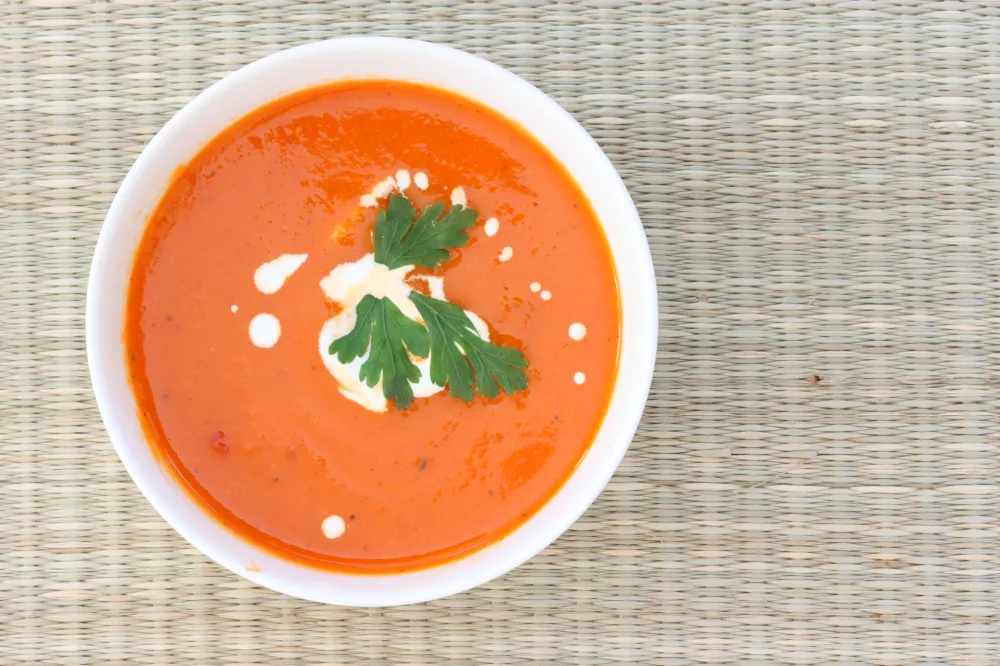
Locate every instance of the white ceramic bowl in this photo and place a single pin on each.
(303, 67)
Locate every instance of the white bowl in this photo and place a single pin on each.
(303, 67)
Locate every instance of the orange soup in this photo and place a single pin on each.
(344, 363)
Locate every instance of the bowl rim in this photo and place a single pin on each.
(486, 563)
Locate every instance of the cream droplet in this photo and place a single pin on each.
(546, 295)
(577, 331)
(506, 253)
(383, 189)
(271, 276)
(535, 287)
(420, 180)
(368, 201)
(579, 378)
(458, 197)
(334, 527)
(265, 329)
(402, 179)
(234, 308)
(491, 227)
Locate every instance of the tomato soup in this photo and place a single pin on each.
(263, 255)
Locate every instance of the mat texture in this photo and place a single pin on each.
(815, 480)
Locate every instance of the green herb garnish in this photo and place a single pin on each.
(460, 360)
(491, 365)
(391, 334)
(399, 241)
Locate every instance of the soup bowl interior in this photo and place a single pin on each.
(304, 67)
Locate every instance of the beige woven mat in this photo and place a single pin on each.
(815, 480)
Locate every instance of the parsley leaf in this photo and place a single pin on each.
(390, 333)
(492, 367)
(399, 241)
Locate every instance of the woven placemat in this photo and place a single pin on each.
(815, 480)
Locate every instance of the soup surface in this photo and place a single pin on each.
(227, 317)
